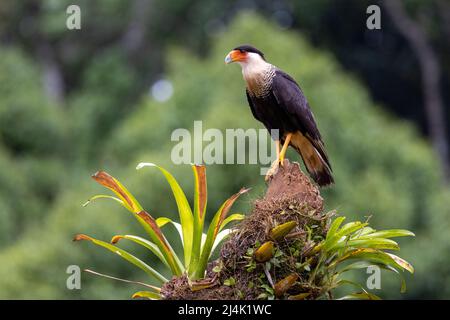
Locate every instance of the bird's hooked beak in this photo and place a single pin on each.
(235, 56)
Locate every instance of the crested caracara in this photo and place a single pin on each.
(277, 101)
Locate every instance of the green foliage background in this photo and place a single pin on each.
(383, 167)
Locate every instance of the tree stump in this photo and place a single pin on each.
(290, 196)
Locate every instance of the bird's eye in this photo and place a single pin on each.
(241, 51)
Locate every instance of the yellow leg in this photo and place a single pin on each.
(277, 144)
(284, 149)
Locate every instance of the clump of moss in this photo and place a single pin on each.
(291, 200)
(291, 255)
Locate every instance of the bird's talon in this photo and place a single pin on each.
(269, 174)
(273, 169)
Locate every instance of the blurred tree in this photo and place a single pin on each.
(32, 139)
(431, 79)
(29, 123)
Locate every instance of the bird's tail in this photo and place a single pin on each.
(316, 162)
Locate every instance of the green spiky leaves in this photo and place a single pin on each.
(197, 245)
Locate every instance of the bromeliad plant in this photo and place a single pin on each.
(311, 262)
(197, 246)
(360, 244)
(346, 247)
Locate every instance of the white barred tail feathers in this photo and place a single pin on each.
(315, 159)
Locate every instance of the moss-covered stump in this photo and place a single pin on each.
(270, 254)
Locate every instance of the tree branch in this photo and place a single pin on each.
(52, 75)
(134, 36)
(430, 69)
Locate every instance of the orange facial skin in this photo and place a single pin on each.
(235, 56)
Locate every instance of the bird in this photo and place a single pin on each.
(276, 100)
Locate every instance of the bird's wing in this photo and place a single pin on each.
(252, 106)
(291, 98)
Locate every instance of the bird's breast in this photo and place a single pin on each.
(259, 82)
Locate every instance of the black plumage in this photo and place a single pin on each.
(249, 48)
(285, 108)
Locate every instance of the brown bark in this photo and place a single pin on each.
(430, 69)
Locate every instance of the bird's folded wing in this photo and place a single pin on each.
(291, 98)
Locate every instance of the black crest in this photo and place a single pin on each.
(249, 48)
